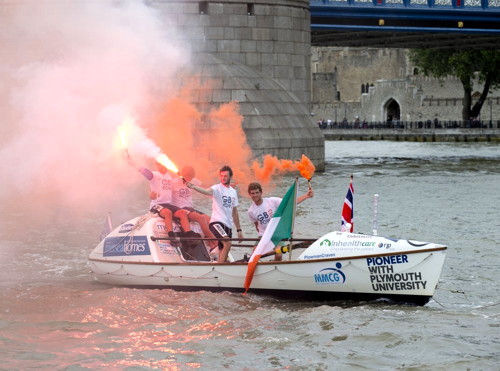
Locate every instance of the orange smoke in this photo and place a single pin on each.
(205, 138)
(272, 166)
(305, 167)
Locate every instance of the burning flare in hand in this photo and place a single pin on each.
(165, 161)
(272, 165)
(306, 167)
(129, 130)
(123, 133)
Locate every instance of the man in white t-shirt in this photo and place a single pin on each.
(160, 185)
(263, 208)
(182, 198)
(224, 210)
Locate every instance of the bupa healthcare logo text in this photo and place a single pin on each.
(329, 276)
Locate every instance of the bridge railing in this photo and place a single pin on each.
(457, 4)
(409, 125)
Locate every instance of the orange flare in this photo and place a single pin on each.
(123, 136)
(306, 167)
(271, 165)
(165, 161)
(124, 130)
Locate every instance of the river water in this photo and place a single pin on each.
(54, 316)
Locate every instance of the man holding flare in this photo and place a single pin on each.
(182, 197)
(160, 184)
(263, 208)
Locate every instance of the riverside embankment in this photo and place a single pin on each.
(416, 135)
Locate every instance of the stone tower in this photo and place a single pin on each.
(258, 53)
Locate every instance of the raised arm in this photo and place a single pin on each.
(205, 191)
(309, 194)
(147, 173)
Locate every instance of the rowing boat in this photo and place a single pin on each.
(335, 266)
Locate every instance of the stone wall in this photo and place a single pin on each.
(394, 79)
(272, 37)
(263, 50)
(357, 66)
(324, 86)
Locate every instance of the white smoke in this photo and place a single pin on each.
(71, 72)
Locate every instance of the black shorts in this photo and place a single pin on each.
(191, 210)
(172, 208)
(220, 230)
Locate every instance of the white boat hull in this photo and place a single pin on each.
(336, 266)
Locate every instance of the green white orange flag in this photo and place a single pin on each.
(279, 228)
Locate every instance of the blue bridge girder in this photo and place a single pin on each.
(406, 23)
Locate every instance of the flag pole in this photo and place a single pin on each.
(293, 217)
(347, 220)
(375, 214)
(279, 229)
(352, 206)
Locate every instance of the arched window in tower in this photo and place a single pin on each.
(392, 110)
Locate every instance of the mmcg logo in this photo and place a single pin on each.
(330, 276)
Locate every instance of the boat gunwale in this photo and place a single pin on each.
(283, 262)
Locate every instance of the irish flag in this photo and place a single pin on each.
(279, 228)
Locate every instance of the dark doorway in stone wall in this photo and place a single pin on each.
(392, 110)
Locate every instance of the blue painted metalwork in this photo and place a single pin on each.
(465, 16)
(451, 4)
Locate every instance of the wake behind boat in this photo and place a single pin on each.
(338, 265)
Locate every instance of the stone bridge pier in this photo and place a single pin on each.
(257, 53)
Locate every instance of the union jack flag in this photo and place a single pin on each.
(348, 210)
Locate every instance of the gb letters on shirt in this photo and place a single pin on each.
(265, 217)
(227, 201)
(166, 184)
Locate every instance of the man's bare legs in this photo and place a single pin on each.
(166, 214)
(182, 215)
(203, 220)
(225, 250)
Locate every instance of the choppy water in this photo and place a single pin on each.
(53, 316)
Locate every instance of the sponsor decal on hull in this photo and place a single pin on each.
(159, 230)
(126, 246)
(319, 256)
(330, 276)
(354, 243)
(383, 278)
(125, 228)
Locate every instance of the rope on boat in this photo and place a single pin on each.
(153, 238)
(155, 274)
(141, 221)
(104, 272)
